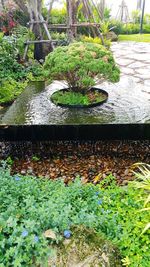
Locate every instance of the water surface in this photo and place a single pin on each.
(128, 102)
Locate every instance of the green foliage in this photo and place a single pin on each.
(143, 181)
(89, 39)
(75, 98)
(35, 158)
(61, 38)
(129, 28)
(79, 64)
(9, 161)
(20, 34)
(10, 89)
(58, 16)
(14, 75)
(136, 16)
(35, 71)
(107, 13)
(71, 98)
(95, 40)
(30, 206)
(9, 67)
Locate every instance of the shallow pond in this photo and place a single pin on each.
(128, 102)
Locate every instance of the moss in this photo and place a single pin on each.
(87, 248)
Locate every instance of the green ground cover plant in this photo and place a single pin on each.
(75, 98)
(31, 206)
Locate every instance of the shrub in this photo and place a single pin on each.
(14, 75)
(130, 28)
(96, 40)
(58, 16)
(10, 89)
(79, 64)
(116, 25)
(9, 66)
(89, 39)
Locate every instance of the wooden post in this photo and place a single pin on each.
(36, 21)
(69, 20)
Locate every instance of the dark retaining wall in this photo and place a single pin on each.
(75, 132)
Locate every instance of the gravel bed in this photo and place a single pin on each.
(92, 161)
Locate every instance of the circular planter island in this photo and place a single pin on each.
(71, 99)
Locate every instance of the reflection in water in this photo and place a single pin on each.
(128, 103)
(18, 111)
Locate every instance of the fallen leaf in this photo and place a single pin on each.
(97, 178)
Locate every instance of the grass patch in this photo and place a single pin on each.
(135, 37)
(75, 98)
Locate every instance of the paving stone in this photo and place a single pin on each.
(147, 82)
(128, 71)
(143, 76)
(139, 57)
(124, 62)
(134, 61)
(137, 64)
(143, 71)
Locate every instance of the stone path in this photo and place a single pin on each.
(134, 60)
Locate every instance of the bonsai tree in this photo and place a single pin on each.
(81, 65)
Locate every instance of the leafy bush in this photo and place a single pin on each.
(80, 63)
(129, 28)
(95, 40)
(10, 89)
(116, 25)
(14, 75)
(9, 67)
(61, 38)
(20, 34)
(89, 39)
(30, 206)
(58, 16)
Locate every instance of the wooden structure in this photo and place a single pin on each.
(123, 12)
(72, 23)
(37, 23)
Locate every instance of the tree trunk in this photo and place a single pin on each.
(34, 8)
(72, 9)
(21, 4)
